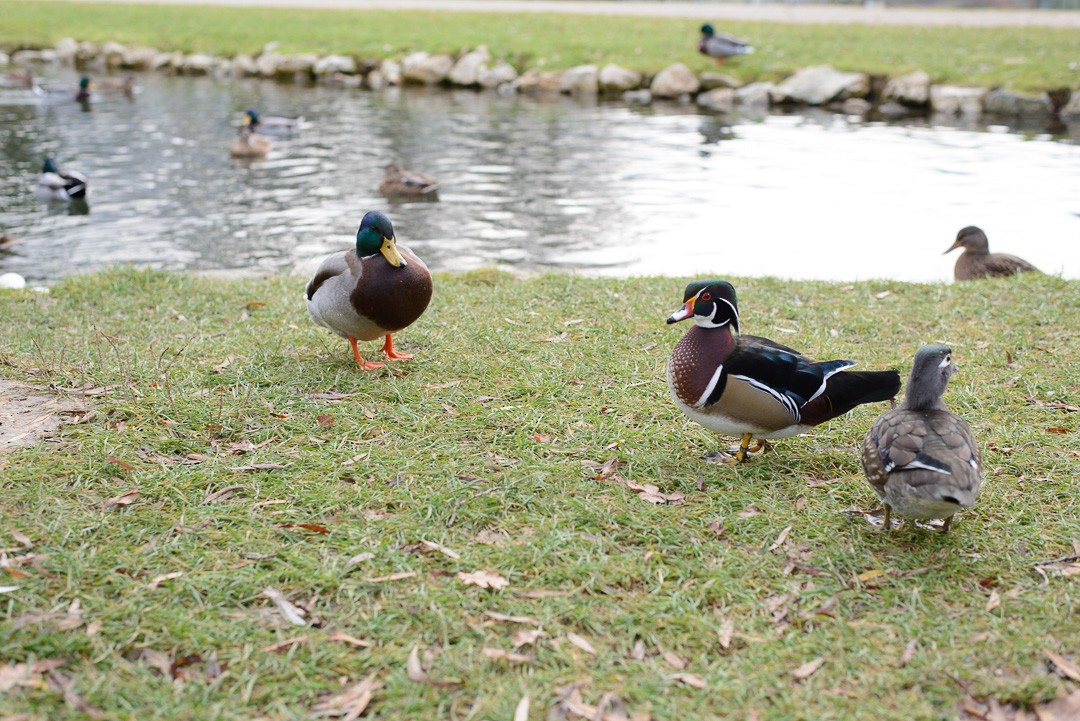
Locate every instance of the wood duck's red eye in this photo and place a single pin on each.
(705, 296)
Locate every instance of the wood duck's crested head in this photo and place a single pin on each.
(711, 303)
(707, 30)
(49, 166)
(930, 374)
(972, 240)
(376, 235)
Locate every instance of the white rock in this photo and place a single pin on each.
(910, 89)
(301, 64)
(268, 62)
(425, 69)
(532, 82)
(139, 59)
(497, 75)
(1071, 110)
(674, 81)
(857, 106)
(821, 84)
(391, 72)
(197, 64)
(12, 281)
(65, 49)
(4, 58)
(244, 66)
(615, 79)
(580, 80)
(720, 99)
(331, 64)
(1003, 102)
(712, 81)
(112, 53)
(466, 71)
(957, 100)
(755, 95)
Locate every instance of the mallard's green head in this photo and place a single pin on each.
(49, 166)
(707, 29)
(251, 117)
(84, 82)
(376, 235)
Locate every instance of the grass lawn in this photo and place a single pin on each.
(1020, 58)
(234, 447)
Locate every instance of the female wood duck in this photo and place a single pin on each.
(978, 262)
(375, 290)
(54, 185)
(397, 181)
(271, 124)
(749, 386)
(920, 459)
(249, 144)
(721, 45)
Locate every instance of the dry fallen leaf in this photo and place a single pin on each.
(483, 579)
(511, 619)
(637, 652)
(581, 643)
(909, 652)
(324, 419)
(158, 580)
(124, 499)
(352, 641)
(392, 577)
(413, 669)
(726, 630)
(287, 643)
(807, 669)
(501, 655)
(442, 549)
(674, 660)
(351, 703)
(527, 637)
(750, 512)
(222, 494)
(291, 613)
(21, 538)
(358, 558)
(691, 679)
(521, 713)
(993, 602)
(1064, 666)
(781, 538)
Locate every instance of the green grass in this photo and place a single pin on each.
(487, 434)
(1021, 58)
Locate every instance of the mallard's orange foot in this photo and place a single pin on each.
(391, 354)
(360, 362)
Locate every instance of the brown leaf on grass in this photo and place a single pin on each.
(726, 631)
(117, 462)
(511, 619)
(324, 419)
(492, 538)
(313, 527)
(542, 437)
(581, 643)
(392, 577)
(1065, 668)
(605, 469)
(124, 499)
(26, 674)
(781, 538)
(352, 641)
(291, 613)
(358, 559)
(413, 669)
(158, 580)
(691, 679)
(221, 495)
(66, 685)
(637, 651)
(521, 713)
(483, 579)
(527, 637)
(825, 609)
(1066, 708)
(287, 643)
(807, 669)
(262, 467)
(1060, 709)
(73, 618)
(442, 549)
(1053, 404)
(93, 628)
(501, 655)
(21, 538)
(750, 512)
(993, 602)
(1058, 430)
(909, 652)
(674, 660)
(351, 703)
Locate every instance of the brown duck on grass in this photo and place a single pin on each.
(372, 291)
(748, 386)
(921, 460)
(978, 262)
(398, 182)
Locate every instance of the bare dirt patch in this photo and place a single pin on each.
(28, 414)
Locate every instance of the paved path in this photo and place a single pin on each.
(830, 14)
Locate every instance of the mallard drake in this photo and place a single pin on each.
(978, 262)
(371, 291)
(921, 460)
(721, 45)
(271, 124)
(55, 185)
(249, 144)
(749, 386)
(397, 181)
(81, 94)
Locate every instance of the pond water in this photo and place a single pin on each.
(530, 184)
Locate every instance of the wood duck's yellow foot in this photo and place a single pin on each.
(719, 458)
(360, 362)
(760, 446)
(391, 354)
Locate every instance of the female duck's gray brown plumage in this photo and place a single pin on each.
(920, 459)
(978, 262)
(372, 291)
(399, 182)
(753, 387)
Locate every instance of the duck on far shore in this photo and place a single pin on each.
(978, 262)
(721, 45)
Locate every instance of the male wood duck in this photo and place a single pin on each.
(371, 291)
(249, 144)
(749, 386)
(54, 185)
(271, 124)
(978, 262)
(920, 459)
(721, 45)
(397, 181)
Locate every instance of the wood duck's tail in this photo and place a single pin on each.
(848, 389)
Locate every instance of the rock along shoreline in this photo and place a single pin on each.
(855, 93)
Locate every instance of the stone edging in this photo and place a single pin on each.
(912, 93)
